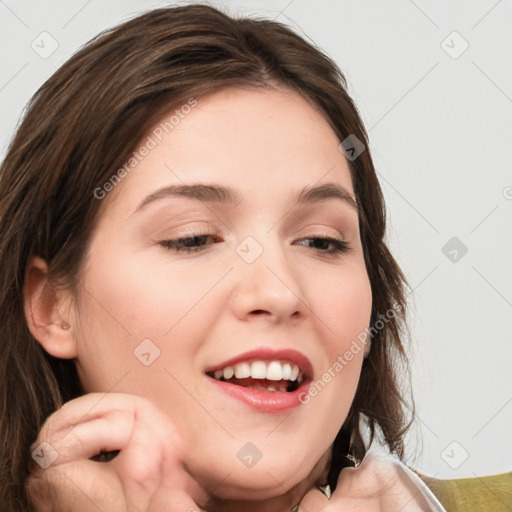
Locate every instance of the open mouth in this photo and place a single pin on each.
(279, 376)
(267, 380)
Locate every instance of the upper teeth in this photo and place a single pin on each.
(274, 370)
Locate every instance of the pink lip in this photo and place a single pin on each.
(261, 400)
(264, 401)
(269, 354)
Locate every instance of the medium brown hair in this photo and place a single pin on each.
(83, 124)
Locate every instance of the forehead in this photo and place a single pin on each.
(261, 141)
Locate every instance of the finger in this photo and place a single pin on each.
(80, 410)
(367, 479)
(151, 449)
(94, 422)
(87, 407)
(152, 459)
(172, 500)
(154, 441)
(84, 440)
(314, 501)
(80, 486)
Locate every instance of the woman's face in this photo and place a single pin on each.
(256, 288)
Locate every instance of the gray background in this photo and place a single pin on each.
(439, 120)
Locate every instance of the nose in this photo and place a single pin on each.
(269, 286)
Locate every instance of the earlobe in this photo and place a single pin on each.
(44, 311)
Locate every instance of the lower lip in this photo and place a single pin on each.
(264, 401)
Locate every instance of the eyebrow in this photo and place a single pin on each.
(212, 193)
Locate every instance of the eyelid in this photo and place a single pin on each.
(322, 230)
(206, 228)
(309, 233)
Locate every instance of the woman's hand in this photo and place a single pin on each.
(146, 476)
(377, 485)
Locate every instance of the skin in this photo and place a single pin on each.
(203, 308)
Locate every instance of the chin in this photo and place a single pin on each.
(266, 479)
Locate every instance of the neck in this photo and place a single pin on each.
(284, 502)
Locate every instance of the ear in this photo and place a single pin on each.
(45, 313)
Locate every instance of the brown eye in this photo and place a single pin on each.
(194, 243)
(322, 245)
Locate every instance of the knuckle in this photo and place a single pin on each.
(166, 433)
(143, 473)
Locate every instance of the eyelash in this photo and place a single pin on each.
(340, 246)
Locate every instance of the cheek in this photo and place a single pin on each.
(148, 296)
(341, 303)
(128, 300)
(341, 308)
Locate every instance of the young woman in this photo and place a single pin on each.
(198, 305)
